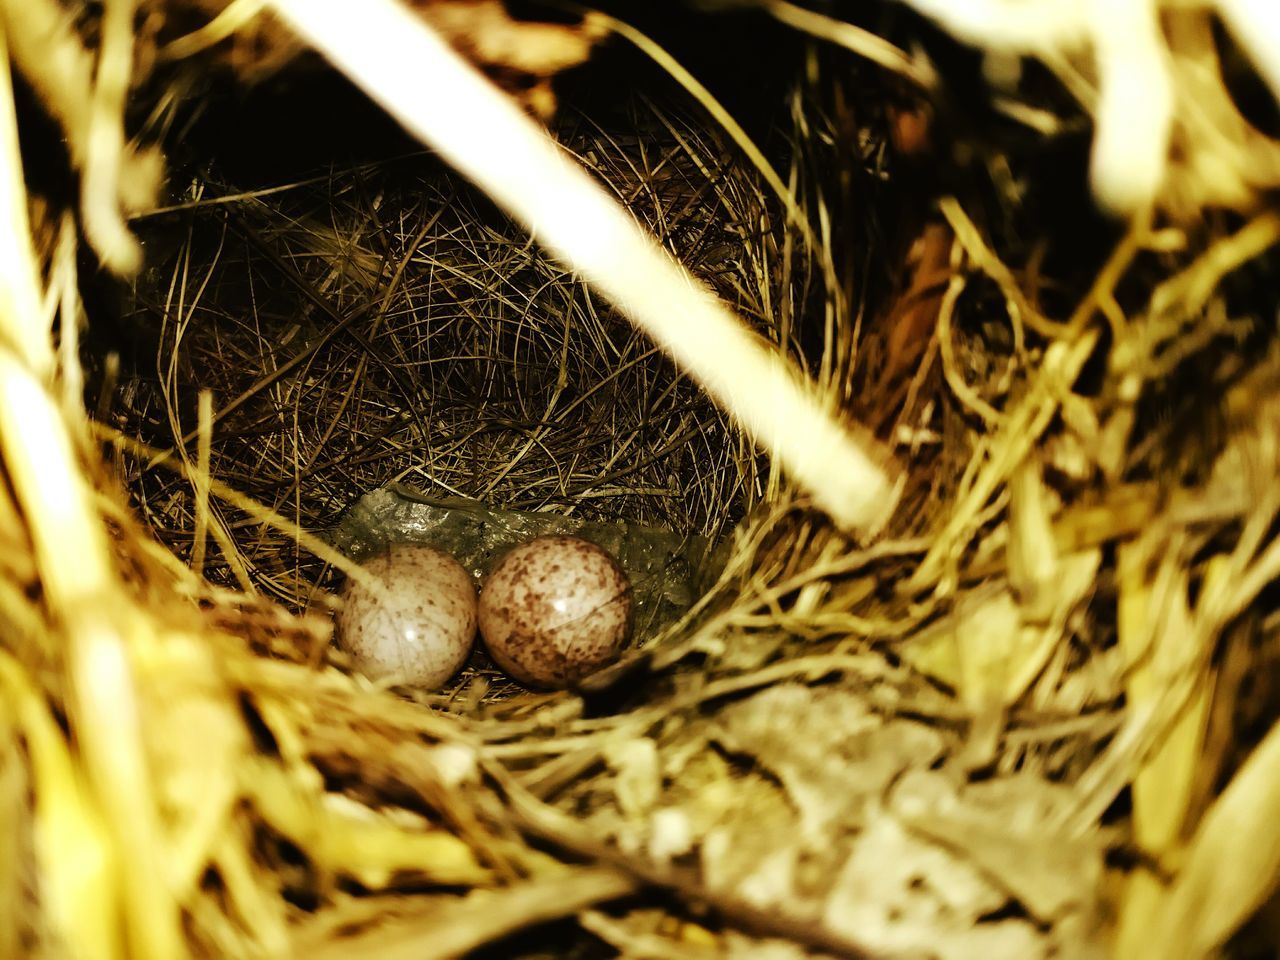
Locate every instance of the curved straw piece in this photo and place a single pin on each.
(413, 74)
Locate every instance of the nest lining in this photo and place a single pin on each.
(386, 326)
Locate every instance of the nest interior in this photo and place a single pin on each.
(1030, 717)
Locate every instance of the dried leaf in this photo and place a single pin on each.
(897, 892)
(998, 825)
(826, 747)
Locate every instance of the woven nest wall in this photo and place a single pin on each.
(947, 338)
(400, 329)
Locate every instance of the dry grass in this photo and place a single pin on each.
(1033, 717)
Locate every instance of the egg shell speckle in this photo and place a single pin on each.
(554, 610)
(417, 623)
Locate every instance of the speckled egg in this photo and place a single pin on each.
(554, 610)
(417, 623)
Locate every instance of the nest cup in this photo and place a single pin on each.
(383, 324)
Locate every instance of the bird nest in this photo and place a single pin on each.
(973, 653)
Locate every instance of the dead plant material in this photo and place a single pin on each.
(1031, 718)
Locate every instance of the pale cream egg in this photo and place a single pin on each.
(554, 610)
(416, 623)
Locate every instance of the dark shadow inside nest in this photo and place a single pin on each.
(374, 320)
